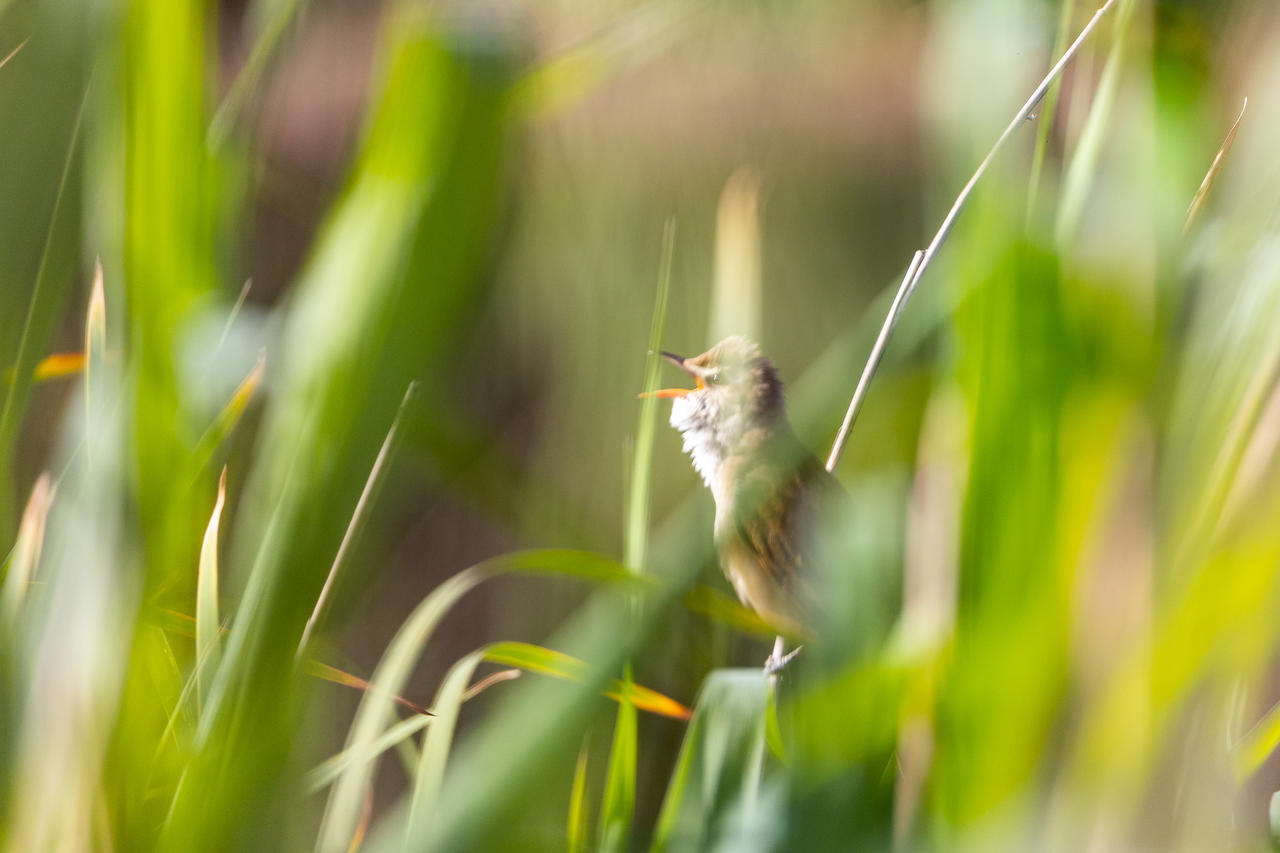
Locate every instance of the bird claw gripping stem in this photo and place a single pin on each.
(777, 662)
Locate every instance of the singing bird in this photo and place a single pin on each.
(772, 495)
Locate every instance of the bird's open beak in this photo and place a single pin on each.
(669, 393)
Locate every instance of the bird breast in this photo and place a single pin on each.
(694, 416)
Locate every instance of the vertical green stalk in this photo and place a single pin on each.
(155, 218)
(618, 808)
(169, 266)
(636, 533)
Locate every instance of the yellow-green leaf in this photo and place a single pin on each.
(207, 629)
(576, 830)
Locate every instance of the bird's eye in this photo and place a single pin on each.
(714, 379)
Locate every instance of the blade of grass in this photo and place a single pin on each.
(95, 347)
(342, 813)
(26, 551)
(647, 700)
(47, 295)
(540, 720)
(638, 501)
(366, 814)
(163, 258)
(247, 82)
(537, 660)
(95, 332)
(184, 626)
(576, 825)
(451, 696)
(58, 365)
(231, 414)
(722, 753)
(78, 643)
(338, 676)
(490, 680)
(1257, 745)
(1197, 535)
(413, 226)
(11, 54)
(543, 661)
(439, 739)
(409, 754)
(1257, 466)
(207, 628)
(618, 808)
(236, 308)
(1214, 168)
(357, 517)
(736, 302)
(323, 775)
(405, 648)
(182, 707)
(1084, 163)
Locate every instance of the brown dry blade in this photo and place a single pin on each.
(488, 681)
(14, 52)
(1214, 168)
(337, 676)
(176, 622)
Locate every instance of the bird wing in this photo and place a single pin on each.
(774, 519)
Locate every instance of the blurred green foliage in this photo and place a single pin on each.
(1052, 617)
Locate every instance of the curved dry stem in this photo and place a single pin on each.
(920, 262)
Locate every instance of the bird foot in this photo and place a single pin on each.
(777, 662)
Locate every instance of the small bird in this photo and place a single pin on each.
(772, 495)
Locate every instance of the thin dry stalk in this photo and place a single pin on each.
(920, 262)
(1214, 168)
(873, 360)
(14, 52)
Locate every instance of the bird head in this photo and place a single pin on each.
(736, 402)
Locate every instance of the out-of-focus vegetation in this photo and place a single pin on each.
(379, 549)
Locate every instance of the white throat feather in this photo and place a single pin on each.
(707, 433)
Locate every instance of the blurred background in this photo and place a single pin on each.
(249, 237)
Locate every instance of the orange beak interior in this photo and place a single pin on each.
(669, 393)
